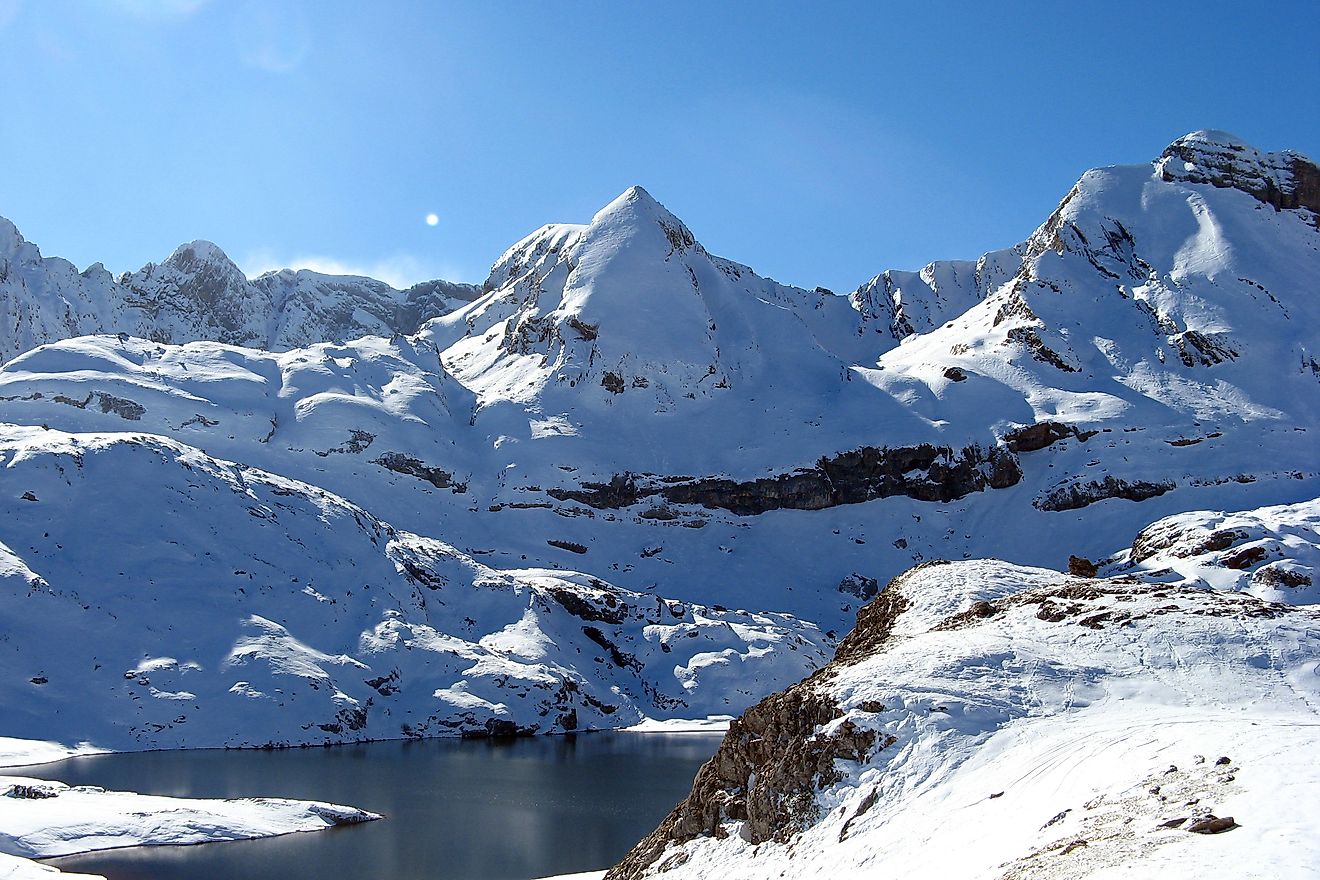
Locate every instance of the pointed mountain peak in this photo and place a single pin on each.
(14, 247)
(195, 255)
(8, 231)
(635, 212)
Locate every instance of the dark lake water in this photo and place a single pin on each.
(466, 810)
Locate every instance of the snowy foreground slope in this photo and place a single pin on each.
(987, 720)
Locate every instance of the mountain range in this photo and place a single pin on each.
(625, 478)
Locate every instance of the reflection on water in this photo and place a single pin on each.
(476, 809)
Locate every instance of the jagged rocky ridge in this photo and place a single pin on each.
(1081, 702)
(198, 293)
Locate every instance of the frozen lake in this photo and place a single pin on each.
(470, 809)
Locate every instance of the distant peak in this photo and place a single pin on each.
(194, 254)
(12, 241)
(9, 232)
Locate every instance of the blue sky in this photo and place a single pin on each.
(819, 143)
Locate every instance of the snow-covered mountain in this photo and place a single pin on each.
(620, 402)
(198, 293)
(988, 720)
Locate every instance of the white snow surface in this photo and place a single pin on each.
(1055, 736)
(41, 819)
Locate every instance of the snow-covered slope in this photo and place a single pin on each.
(1271, 552)
(198, 293)
(986, 720)
(155, 597)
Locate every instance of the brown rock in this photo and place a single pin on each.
(1080, 566)
(1213, 825)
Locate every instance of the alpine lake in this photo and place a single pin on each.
(454, 809)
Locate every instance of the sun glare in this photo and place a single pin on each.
(432, 219)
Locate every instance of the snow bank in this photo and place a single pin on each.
(40, 819)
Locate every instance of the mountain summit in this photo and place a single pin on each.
(1284, 180)
(631, 311)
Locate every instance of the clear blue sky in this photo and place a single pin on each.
(818, 142)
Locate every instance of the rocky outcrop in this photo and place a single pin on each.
(776, 757)
(1284, 180)
(108, 403)
(924, 472)
(1074, 496)
(620, 491)
(1042, 434)
(875, 622)
(415, 467)
(766, 774)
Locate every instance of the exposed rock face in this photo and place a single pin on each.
(415, 467)
(766, 773)
(875, 622)
(1283, 180)
(860, 586)
(1075, 496)
(1042, 434)
(620, 491)
(775, 757)
(1081, 567)
(924, 472)
(107, 403)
